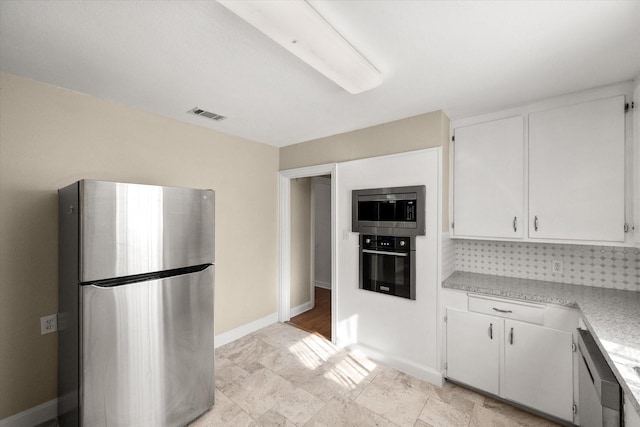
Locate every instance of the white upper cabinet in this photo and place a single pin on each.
(558, 171)
(488, 183)
(577, 172)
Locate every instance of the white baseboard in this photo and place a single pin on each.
(246, 329)
(323, 285)
(33, 416)
(301, 309)
(423, 372)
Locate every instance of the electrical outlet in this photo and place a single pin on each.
(556, 266)
(48, 324)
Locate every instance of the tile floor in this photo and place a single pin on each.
(283, 376)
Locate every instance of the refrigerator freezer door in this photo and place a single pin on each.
(128, 229)
(147, 351)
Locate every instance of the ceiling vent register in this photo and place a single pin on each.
(208, 114)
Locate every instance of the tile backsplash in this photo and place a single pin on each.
(601, 266)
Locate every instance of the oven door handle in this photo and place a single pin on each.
(369, 251)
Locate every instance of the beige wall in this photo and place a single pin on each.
(300, 241)
(51, 137)
(414, 133)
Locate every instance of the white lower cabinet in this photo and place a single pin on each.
(538, 368)
(473, 350)
(523, 362)
(631, 417)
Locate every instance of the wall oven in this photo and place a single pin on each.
(387, 265)
(396, 211)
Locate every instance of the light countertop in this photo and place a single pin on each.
(612, 316)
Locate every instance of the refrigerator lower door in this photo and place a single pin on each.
(147, 351)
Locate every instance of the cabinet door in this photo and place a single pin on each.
(488, 179)
(538, 368)
(473, 349)
(576, 172)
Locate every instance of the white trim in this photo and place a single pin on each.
(246, 329)
(312, 242)
(33, 416)
(309, 171)
(423, 372)
(334, 251)
(284, 236)
(301, 308)
(284, 255)
(323, 285)
(440, 333)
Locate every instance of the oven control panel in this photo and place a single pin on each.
(386, 242)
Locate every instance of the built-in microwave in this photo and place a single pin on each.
(397, 211)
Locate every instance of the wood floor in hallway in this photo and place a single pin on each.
(318, 319)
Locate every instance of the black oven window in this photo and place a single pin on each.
(387, 274)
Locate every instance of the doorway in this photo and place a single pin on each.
(317, 320)
(311, 254)
(318, 314)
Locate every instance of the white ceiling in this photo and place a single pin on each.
(463, 57)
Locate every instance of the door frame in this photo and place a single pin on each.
(284, 238)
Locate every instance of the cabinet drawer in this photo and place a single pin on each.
(526, 312)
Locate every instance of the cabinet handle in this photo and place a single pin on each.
(511, 337)
(502, 311)
(491, 330)
(515, 224)
(535, 223)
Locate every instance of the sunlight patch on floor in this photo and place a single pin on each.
(312, 351)
(348, 373)
(346, 370)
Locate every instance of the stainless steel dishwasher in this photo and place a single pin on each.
(599, 392)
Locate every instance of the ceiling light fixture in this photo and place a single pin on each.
(297, 27)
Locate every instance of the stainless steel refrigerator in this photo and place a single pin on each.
(136, 279)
